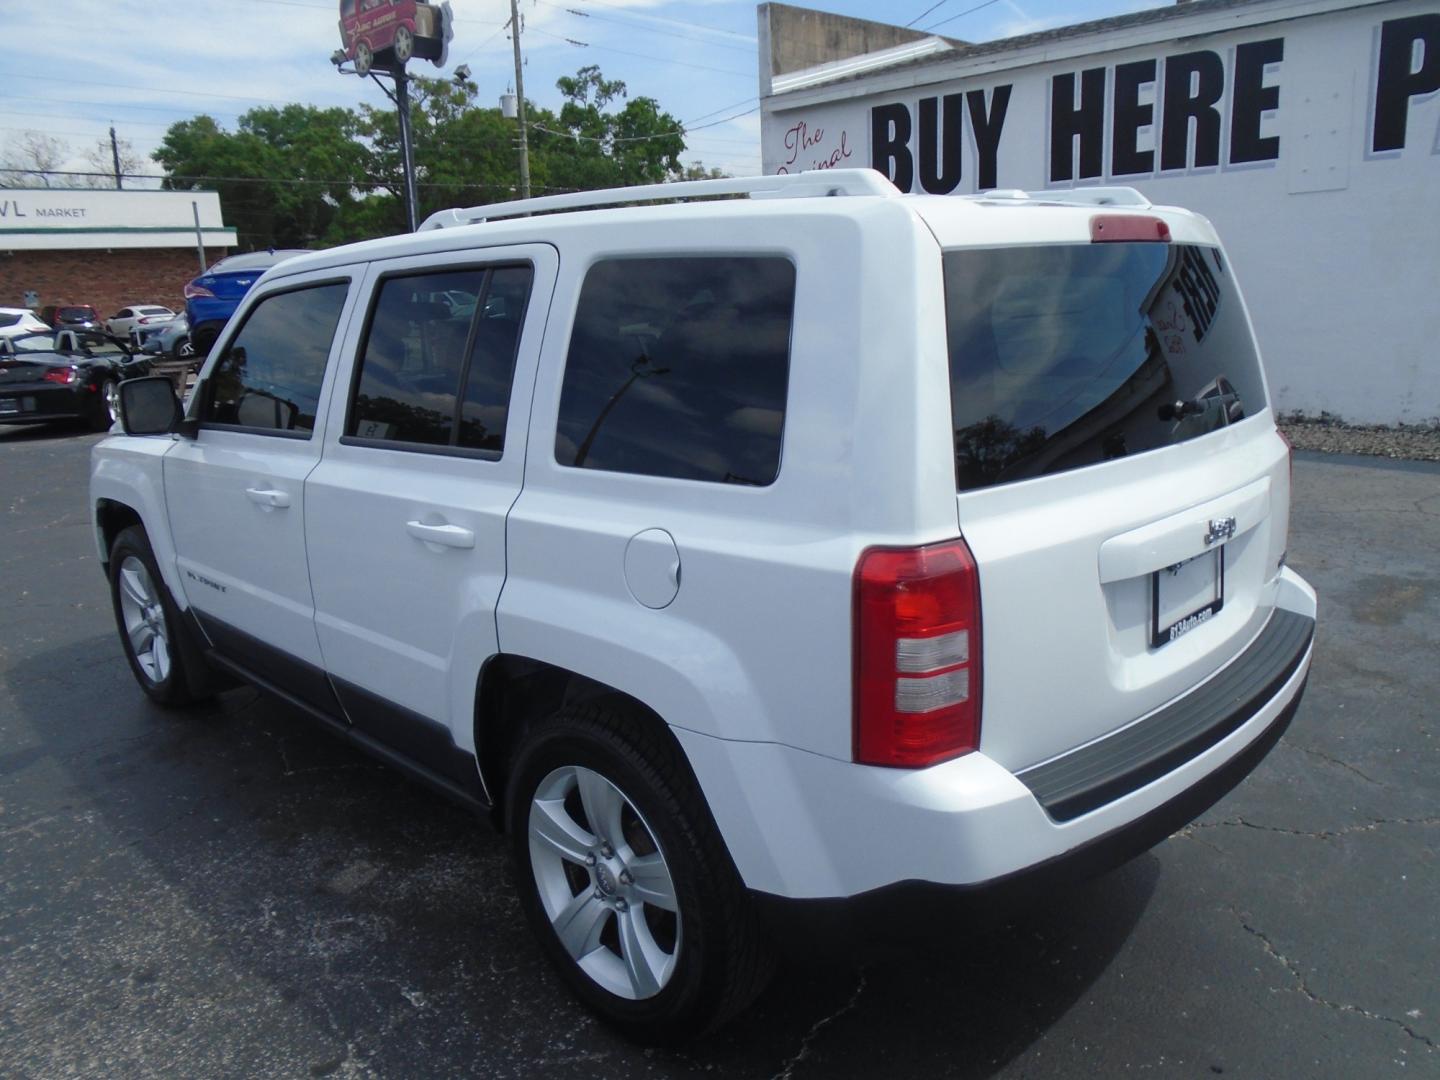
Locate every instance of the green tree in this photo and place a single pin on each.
(297, 176)
(592, 145)
(282, 177)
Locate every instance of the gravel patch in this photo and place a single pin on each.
(1331, 435)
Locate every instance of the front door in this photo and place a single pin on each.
(236, 492)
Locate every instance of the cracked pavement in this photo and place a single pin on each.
(230, 893)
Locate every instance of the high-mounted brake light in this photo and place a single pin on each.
(917, 655)
(1114, 228)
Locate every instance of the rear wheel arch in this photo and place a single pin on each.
(514, 693)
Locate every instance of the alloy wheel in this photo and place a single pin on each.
(144, 620)
(604, 882)
(404, 44)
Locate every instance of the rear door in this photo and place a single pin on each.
(406, 513)
(236, 494)
(1120, 480)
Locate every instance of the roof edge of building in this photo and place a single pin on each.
(996, 50)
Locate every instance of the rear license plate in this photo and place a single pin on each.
(9, 406)
(1185, 595)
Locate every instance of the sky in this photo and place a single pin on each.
(72, 69)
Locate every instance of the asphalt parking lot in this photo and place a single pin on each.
(229, 893)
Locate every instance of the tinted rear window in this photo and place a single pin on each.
(679, 367)
(77, 313)
(1064, 356)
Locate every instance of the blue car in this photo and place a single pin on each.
(213, 296)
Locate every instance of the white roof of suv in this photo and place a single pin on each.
(988, 219)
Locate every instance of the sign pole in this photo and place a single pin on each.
(407, 159)
(199, 236)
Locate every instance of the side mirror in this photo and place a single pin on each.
(149, 406)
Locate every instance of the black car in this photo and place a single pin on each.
(64, 376)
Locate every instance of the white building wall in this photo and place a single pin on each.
(1337, 246)
(78, 219)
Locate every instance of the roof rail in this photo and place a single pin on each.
(1093, 196)
(800, 185)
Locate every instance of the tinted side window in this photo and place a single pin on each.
(438, 358)
(486, 403)
(8, 320)
(679, 367)
(270, 375)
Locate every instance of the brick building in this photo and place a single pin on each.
(105, 248)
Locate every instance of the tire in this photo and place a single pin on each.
(107, 406)
(660, 976)
(404, 45)
(364, 58)
(162, 655)
(183, 349)
(202, 338)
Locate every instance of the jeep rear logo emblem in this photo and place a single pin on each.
(1220, 529)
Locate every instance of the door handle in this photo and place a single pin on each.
(449, 535)
(268, 497)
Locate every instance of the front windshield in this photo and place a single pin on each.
(31, 343)
(86, 346)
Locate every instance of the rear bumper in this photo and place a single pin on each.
(35, 403)
(800, 825)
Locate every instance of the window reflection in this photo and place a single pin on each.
(429, 334)
(1064, 356)
(270, 375)
(679, 367)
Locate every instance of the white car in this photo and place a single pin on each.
(795, 545)
(136, 315)
(15, 321)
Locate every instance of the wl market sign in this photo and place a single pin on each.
(20, 209)
(1191, 112)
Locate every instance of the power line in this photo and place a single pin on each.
(723, 108)
(77, 134)
(577, 13)
(681, 131)
(927, 11)
(642, 56)
(967, 11)
(148, 89)
(674, 22)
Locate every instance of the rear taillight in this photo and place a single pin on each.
(65, 376)
(192, 291)
(917, 655)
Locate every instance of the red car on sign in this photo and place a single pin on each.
(400, 28)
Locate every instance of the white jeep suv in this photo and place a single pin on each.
(803, 541)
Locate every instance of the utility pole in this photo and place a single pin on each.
(520, 101)
(115, 155)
